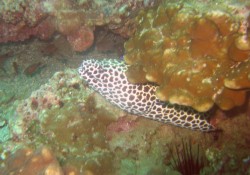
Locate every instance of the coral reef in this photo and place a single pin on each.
(63, 114)
(21, 20)
(81, 39)
(27, 161)
(87, 135)
(81, 132)
(199, 57)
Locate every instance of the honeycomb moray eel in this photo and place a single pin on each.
(108, 77)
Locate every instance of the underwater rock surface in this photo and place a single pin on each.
(63, 121)
(89, 135)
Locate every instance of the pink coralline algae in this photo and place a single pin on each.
(81, 39)
(21, 20)
(20, 31)
(40, 100)
(123, 124)
(47, 97)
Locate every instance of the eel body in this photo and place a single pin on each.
(107, 77)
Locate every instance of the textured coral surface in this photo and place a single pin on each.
(199, 57)
(87, 135)
(59, 121)
(21, 20)
(27, 161)
(64, 115)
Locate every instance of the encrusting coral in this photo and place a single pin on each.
(87, 135)
(199, 57)
(27, 161)
(64, 115)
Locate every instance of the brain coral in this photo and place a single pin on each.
(198, 57)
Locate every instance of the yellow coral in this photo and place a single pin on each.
(239, 76)
(27, 161)
(198, 57)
